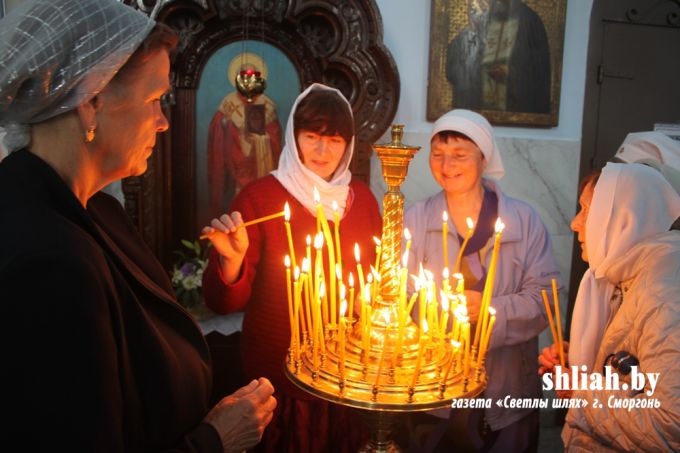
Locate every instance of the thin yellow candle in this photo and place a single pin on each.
(401, 307)
(419, 357)
(445, 316)
(558, 322)
(460, 283)
(341, 338)
(488, 285)
(338, 277)
(296, 311)
(470, 231)
(384, 348)
(367, 325)
(548, 312)
(407, 236)
(412, 301)
(466, 360)
(422, 296)
(248, 223)
(308, 241)
(360, 270)
(446, 284)
(378, 251)
(286, 217)
(486, 336)
(455, 347)
(309, 291)
(350, 281)
(315, 333)
(320, 333)
(318, 270)
(445, 234)
(321, 217)
(286, 262)
(336, 226)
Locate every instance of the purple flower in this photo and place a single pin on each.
(188, 269)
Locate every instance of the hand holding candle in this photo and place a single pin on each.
(226, 228)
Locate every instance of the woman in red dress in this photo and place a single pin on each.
(246, 269)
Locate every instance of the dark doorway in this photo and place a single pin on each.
(632, 83)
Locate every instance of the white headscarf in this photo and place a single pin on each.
(57, 54)
(480, 131)
(650, 145)
(300, 181)
(631, 203)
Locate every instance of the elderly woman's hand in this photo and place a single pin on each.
(240, 418)
(230, 241)
(549, 358)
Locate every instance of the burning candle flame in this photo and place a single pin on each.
(309, 240)
(286, 262)
(377, 241)
(425, 328)
(338, 272)
(317, 197)
(335, 206)
(343, 293)
(343, 307)
(492, 311)
(445, 216)
(357, 255)
(499, 225)
(351, 280)
(404, 259)
(297, 273)
(286, 212)
(318, 241)
(407, 234)
(470, 223)
(445, 273)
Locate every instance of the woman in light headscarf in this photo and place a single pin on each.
(655, 149)
(97, 353)
(465, 161)
(627, 308)
(245, 270)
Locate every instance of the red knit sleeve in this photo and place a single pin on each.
(222, 297)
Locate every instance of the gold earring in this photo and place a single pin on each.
(89, 134)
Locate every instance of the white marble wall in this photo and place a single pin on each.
(542, 172)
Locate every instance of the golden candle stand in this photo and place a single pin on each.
(382, 385)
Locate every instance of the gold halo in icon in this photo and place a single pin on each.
(246, 58)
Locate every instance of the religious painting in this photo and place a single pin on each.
(238, 141)
(501, 58)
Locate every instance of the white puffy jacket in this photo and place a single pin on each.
(648, 326)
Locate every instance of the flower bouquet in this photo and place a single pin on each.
(187, 277)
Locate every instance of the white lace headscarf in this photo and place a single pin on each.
(300, 180)
(479, 130)
(57, 54)
(631, 203)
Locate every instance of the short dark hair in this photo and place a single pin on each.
(326, 113)
(160, 38)
(590, 178)
(445, 136)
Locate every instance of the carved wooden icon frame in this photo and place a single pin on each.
(336, 42)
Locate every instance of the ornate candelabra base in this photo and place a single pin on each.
(381, 425)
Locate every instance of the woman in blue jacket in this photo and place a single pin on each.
(464, 160)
